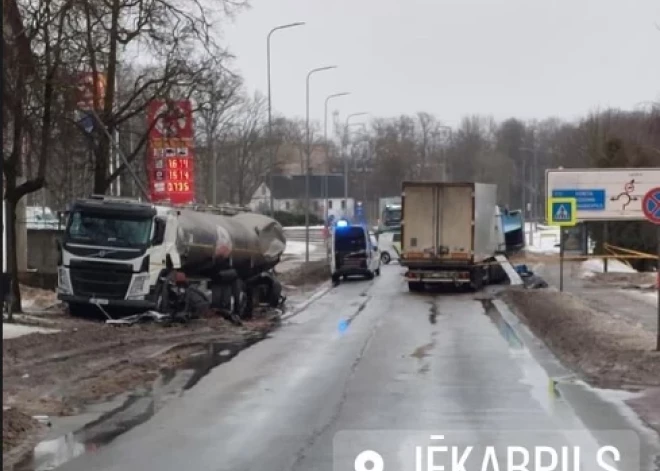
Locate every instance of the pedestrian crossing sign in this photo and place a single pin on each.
(562, 211)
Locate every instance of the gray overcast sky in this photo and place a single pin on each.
(523, 58)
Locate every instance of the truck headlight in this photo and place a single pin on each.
(139, 286)
(63, 281)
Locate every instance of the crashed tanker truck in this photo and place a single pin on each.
(140, 256)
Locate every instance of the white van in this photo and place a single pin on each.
(353, 253)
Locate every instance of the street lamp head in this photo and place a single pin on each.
(281, 27)
(328, 67)
(353, 115)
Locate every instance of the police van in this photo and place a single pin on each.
(354, 252)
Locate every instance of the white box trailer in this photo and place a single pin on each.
(449, 233)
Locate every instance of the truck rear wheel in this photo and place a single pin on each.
(415, 286)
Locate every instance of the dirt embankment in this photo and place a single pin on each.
(311, 273)
(57, 374)
(606, 348)
(20, 433)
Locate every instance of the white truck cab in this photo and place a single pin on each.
(113, 253)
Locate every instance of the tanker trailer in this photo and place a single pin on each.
(122, 253)
(235, 253)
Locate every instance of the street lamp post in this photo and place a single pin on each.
(309, 154)
(348, 118)
(327, 148)
(270, 119)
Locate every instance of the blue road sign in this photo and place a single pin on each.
(587, 200)
(651, 205)
(561, 212)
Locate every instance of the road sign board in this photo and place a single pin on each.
(562, 211)
(651, 205)
(587, 200)
(603, 194)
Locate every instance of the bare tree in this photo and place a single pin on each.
(35, 42)
(177, 37)
(245, 163)
(216, 112)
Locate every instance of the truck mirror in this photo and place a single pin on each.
(159, 232)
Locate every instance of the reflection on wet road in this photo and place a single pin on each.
(366, 356)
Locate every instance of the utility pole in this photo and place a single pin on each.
(270, 118)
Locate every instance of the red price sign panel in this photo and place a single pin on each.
(171, 170)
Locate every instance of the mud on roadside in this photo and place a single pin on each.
(311, 273)
(87, 362)
(607, 350)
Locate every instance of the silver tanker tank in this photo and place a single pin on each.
(208, 243)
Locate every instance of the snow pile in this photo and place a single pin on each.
(595, 265)
(295, 247)
(545, 239)
(11, 331)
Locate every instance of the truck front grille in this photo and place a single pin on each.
(100, 280)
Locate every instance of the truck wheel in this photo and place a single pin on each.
(335, 280)
(369, 275)
(415, 286)
(385, 258)
(377, 272)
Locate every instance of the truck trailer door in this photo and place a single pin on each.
(453, 216)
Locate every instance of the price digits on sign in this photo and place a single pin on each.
(178, 186)
(178, 175)
(175, 164)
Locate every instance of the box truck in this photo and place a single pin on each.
(450, 233)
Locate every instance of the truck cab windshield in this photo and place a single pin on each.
(108, 230)
(392, 217)
(350, 239)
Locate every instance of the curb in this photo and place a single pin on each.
(319, 293)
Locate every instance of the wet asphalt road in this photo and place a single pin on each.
(366, 356)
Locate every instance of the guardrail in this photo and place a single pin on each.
(297, 233)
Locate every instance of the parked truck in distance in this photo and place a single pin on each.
(136, 256)
(389, 214)
(449, 233)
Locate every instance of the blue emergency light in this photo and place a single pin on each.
(342, 223)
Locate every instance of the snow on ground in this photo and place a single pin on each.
(595, 265)
(295, 247)
(10, 331)
(545, 239)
